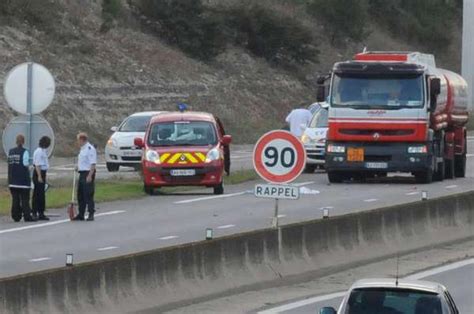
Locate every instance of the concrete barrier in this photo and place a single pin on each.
(161, 278)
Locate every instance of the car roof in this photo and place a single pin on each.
(417, 285)
(146, 113)
(183, 116)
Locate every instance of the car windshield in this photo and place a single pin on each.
(399, 301)
(320, 119)
(135, 124)
(377, 93)
(182, 133)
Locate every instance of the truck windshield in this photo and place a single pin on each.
(182, 133)
(383, 300)
(377, 93)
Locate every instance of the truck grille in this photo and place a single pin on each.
(380, 132)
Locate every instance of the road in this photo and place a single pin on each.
(61, 167)
(457, 277)
(166, 220)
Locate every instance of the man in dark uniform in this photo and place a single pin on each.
(19, 181)
(86, 163)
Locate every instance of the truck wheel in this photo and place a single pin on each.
(219, 189)
(309, 168)
(449, 171)
(460, 166)
(424, 176)
(335, 177)
(148, 189)
(440, 174)
(112, 167)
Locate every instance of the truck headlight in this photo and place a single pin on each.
(213, 154)
(332, 148)
(152, 156)
(112, 142)
(417, 149)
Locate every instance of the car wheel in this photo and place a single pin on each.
(112, 167)
(149, 190)
(460, 166)
(219, 189)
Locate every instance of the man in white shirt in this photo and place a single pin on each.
(86, 165)
(41, 166)
(298, 119)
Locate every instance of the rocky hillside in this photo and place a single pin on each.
(109, 64)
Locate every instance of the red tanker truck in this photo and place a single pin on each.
(396, 112)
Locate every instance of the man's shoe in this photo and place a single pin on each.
(91, 217)
(78, 218)
(30, 219)
(43, 217)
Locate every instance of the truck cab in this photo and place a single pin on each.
(185, 149)
(390, 112)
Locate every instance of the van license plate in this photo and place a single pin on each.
(183, 172)
(376, 165)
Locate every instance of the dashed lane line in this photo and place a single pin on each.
(168, 237)
(226, 227)
(40, 259)
(57, 222)
(371, 200)
(107, 248)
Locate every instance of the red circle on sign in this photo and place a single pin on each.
(264, 171)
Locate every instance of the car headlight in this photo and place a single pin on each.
(152, 156)
(304, 138)
(332, 148)
(213, 154)
(417, 149)
(112, 142)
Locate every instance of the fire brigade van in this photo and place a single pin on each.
(185, 149)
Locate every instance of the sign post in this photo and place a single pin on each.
(279, 158)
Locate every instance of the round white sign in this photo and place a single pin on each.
(16, 88)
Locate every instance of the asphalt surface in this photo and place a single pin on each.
(165, 220)
(458, 281)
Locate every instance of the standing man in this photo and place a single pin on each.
(41, 166)
(86, 166)
(298, 119)
(19, 180)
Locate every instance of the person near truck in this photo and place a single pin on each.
(298, 119)
(86, 166)
(41, 166)
(19, 181)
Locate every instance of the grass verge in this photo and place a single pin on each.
(60, 195)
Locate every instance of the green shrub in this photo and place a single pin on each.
(187, 24)
(111, 10)
(341, 18)
(275, 37)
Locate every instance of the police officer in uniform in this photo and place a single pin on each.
(41, 165)
(86, 166)
(19, 180)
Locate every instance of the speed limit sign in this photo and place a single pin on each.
(279, 157)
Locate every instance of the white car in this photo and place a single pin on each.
(120, 149)
(391, 296)
(314, 140)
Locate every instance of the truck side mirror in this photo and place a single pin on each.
(321, 93)
(114, 129)
(138, 142)
(435, 90)
(327, 310)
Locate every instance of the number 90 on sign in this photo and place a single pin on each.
(279, 157)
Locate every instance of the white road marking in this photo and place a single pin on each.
(281, 216)
(40, 259)
(371, 200)
(206, 198)
(451, 186)
(326, 207)
(168, 237)
(412, 193)
(303, 183)
(469, 155)
(417, 276)
(225, 226)
(107, 248)
(57, 222)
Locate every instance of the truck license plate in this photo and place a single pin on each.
(376, 165)
(355, 154)
(183, 172)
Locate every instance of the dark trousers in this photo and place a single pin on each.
(39, 199)
(20, 203)
(85, 194)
